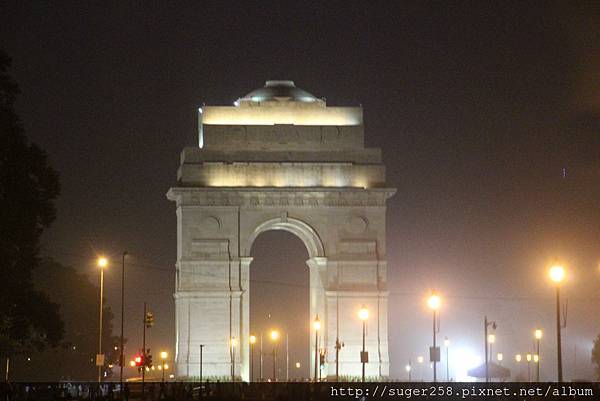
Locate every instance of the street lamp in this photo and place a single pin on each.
(274, 338)
(163, 356)
(447, 345)
(252, 342)
(557, 275)
(102, 263)
(409, 370)
(528, 357)
(363, 314)
(317, 327)
(491, 341)
(121, 356)
(500, 357)
(233, 342)
(434, 303)
(538, 336)
(420, 360)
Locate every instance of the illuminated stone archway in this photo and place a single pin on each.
(280, 159)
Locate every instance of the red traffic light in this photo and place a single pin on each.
(138, 360)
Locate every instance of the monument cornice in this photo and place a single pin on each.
(280, 197)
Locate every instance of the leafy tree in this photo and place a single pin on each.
(75, 358)
(596, 356)
(28, 187)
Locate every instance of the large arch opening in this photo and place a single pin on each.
(279, 300)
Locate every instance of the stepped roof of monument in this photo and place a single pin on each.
(279, 91)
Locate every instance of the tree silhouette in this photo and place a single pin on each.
(77, 296)
(28, 186)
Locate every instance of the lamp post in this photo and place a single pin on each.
(434, 303)
(233, 342)
(316, 327)
(102, 264)
(274, 338)
(487, 324)
(408, 370)
(500, 358)
(201, 349)
(163, 356)
(528, 357)
(491, 341)
(363, 314)
(252, 342)
(538, 336)
(121, 356)
(557, 274)
(447, 345)
(420, 360)
(518, 360)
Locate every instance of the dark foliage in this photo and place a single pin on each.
(28, 186)
(78, 299)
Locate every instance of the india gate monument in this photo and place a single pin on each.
(280, 159)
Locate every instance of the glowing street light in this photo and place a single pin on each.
(528, 357)
(317, 327)
(434, 302)
(518, 358)
(491, 341)
(538, 336)
(557, 275)
(500, 357)
(163, 356)
(252, 342)
(363, 314)
(233, 344)
(102, 263)
(447, 345)
(274, 337)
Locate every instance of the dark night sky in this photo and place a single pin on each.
(478, 107)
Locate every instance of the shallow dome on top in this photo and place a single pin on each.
(279, 91)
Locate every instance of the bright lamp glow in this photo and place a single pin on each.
(491, 338)
(518, 358)
(274, 335)
(408, 368)
(317, 324)
(363, 313)
(252, 339)
(420, 359)
(298, 365)
(102, 262)
(464, 360)
(164, 355)
(538, 334)
(557, 273)
(500, 356)
(233, 342)
(434, 302)
(446, 342)
(528, 357)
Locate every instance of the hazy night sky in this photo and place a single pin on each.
(478, 108)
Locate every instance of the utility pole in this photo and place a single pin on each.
(201, 346)
(485, 341)
(144, 353)
(260, 368)
(121, 357)
(338, 347)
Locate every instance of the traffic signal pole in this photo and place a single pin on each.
(144, 353)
